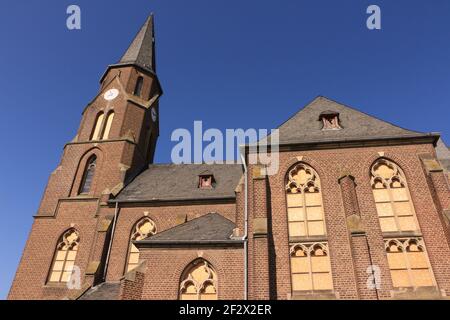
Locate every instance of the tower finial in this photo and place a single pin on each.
(141, 52)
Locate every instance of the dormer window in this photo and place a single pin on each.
(206, 181)
(330, 120)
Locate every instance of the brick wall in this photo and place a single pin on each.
(330, 165)
(119, 158)
(30, 281)
(166, 265)
(132, 285)
(165, 217)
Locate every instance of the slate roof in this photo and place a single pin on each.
(305, 126)
(141, 52)
(174, 182)
(211, 227)
(103, 291)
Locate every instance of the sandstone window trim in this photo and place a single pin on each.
(396, 182)
(96, 132)
(306, 216)
(405, 255)
(144, 228)
(108, 125)
(307, 276)
(193, 287)
(64, 257)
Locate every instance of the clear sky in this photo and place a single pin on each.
(230, 63)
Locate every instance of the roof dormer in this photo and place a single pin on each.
(330, 120)
(206, 180)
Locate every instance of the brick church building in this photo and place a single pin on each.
(359, 208)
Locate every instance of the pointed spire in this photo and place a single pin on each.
(142, 50)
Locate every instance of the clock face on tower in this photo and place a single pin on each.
(111, 94)
(154, 115)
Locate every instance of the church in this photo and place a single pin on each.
(358, 209)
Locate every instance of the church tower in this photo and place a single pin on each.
(115, 141)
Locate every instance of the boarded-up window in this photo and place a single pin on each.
(304, 202)
(88, 175)
(394, 207)
(143, 229)
(109, 120)
(64, 259)
(98, 126)
(408, 262)
(198, 282)
(310, 267)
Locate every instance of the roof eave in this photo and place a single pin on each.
(165, 201)
(172, 243)
(356, 142)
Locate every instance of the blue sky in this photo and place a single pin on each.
(232, 64)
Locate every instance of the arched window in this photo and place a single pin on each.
(407, 257)
(109, 120)
(310, 261)
(138, 87)
(144, 228)
(390, 190)
(64, 259)
(310, 267)
(408, 263)
(198, 282)
(88, 175)
(304, 202)
(98, 126)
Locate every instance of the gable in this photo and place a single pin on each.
(306, 126)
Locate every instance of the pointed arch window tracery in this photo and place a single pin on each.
(64, 258)
(199, 282)
(310, 267)
(394, 206)
(144, 228)
(408, 262)
(407, 257)
(304, 202)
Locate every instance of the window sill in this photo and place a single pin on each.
(314, 295)
(402, 234)
(308, 239)
(417, 293)
(58, 285)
